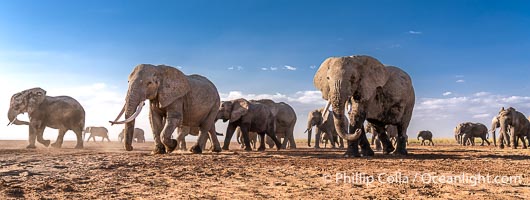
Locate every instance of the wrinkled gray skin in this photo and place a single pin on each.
(97, 132)
(138, 135)
(468, 131)
(253, 136)
(379, 94)
(285, 121)
(425, 136)
(250, 117)
(495, 123)
(184, 131)
(324, 125)
(61, 112)
(517, 123)
(175, 100)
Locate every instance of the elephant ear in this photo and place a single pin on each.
(35, 97)
(239, 109)
(321, 78)
(372, 74)
(173, 85)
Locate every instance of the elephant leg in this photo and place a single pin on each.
(203, 136)
(272, 134)
(88, 139)
(59, 142)
(318, 137)
(341, 143)
(216, 146)
(524, 142)
(484, 139)
(246, 139)
(79, 134)
(228, 136)
(157, 124)
(262, 141)
(181, 140)
(432, 143)
(332, 140)
(172, 122)
(514, 139)
(401, 146)
(39, 133)
(31, 139)
(284, 142)
(289, 134)
(382, 139)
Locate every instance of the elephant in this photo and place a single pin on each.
(57, 112)
(285, 121)
(324, 126)
(382, 95)
(468, 131)
(249, 116)
(495, 123)
(518, 124)
(138, 135)
(253, 136)
(184, 131)
(425, 135)
(97, 132)
(175, 100)
(333, 139)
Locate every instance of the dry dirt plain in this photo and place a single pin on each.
(105, 171)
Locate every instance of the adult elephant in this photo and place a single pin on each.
(495, 123)
(60, 112)
(250, 117)
(285, 119)
(518, 124)
(425, 136)
(324, 125)
(138, 135)
(194, 131)
(382, 95)
(175, 100)
(97, 131)
(468, 131)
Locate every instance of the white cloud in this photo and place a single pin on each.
(479, 116)
(415, 32)
(480, 94)
(235, 68)
(264, 68)
(312, 67)
(287, 67)
(179, 67)
(460, 81)
(447, 93)
(273, 68)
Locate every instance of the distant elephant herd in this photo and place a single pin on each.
(365, 96)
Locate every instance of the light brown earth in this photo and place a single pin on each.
(105, 171)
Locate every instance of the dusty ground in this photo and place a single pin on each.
(105, 171)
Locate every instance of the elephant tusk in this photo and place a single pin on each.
(11, 122)
(130, 119)
(326, 108)
(119, 115)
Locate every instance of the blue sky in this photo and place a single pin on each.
(466, 58)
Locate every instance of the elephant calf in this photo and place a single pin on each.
(97, 131)
(61, 112)
(253, 136)
(425, 135)
(186, 130)
(468, 131)
(250, 117)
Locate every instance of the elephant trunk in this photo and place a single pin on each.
(309, 131)
(12, 116)
(339, 122)
(132, 107)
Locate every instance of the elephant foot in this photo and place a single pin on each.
(316, 147)
(217, 149)
(249, 149)
(367, 152)
(196, 149)
(524, 147)
(79, 146)
(402, 152)
(46, 143)
(261, 149)
(388, 150)
(171, 146)
(341, 147)
(128, 148)
(31, 146)
(501, 146)
(159, 149)
(56, 145)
